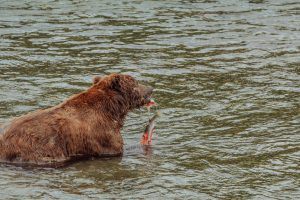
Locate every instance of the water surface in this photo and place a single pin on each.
(227, 78)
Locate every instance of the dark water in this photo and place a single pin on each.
(227, 78)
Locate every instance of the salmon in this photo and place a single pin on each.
(148, 133)
(151, 104)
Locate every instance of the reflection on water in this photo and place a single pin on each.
(226, 75)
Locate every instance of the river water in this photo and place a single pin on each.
(226, 75)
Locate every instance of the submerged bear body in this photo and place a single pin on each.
(85, 125)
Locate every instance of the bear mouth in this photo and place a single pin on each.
(148, 99)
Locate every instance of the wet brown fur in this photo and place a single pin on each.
(85, 125)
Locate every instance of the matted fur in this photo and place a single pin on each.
(85, 125)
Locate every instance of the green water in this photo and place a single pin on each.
(226, 75)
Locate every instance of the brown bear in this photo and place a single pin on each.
(86, 125)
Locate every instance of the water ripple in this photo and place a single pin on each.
(226, 76)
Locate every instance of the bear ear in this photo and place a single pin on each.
(96, 79)
(116, 83)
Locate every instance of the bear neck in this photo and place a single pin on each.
(113, 106)
(110, 105)
(115, 109)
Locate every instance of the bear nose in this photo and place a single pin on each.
(149, 90)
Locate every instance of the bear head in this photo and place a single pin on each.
(124, 89)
